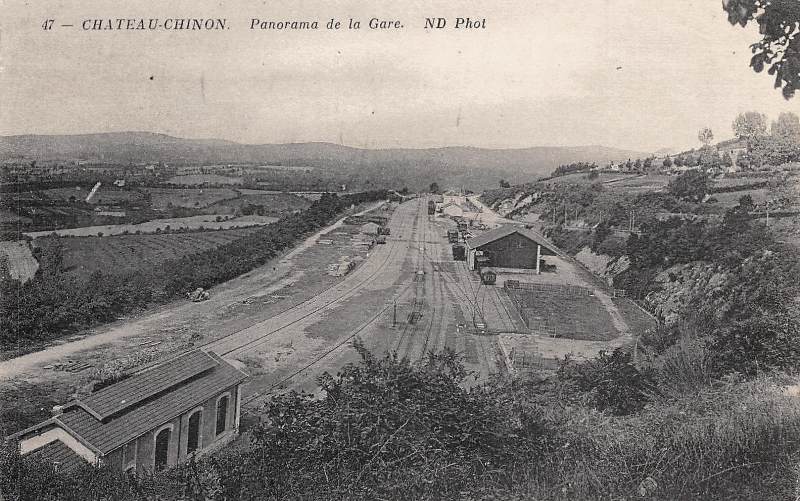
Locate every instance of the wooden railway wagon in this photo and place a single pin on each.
(452, 236)
(431, 207)
(488, 277)
(459, 253)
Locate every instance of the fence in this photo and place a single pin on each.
(524, 360)
(561, 310)
(551, 289)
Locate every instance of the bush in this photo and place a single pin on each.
(731, 442)
(691, 185)
(611, 382)
(387, 428)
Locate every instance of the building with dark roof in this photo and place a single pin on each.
(156, 418)
(509, 246)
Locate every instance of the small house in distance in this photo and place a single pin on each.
(154, 419)
(452, 209)
(509, 246)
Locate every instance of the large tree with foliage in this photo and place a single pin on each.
(786, 127)
(691, 185)
(779, 48)
(750, 125)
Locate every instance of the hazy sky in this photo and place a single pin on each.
(639, 74)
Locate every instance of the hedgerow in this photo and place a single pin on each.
(54, 303)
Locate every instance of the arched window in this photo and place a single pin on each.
(162, 448)
(193, 438)
(222, 413)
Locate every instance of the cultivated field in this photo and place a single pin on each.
(640, 184)
(616, 181)
(275, 203)
(163, 198)
(131, 252)
(211, 221)
(728, 182)
(290, 168)
(9, 217)
(104, 195)
(582, 178)
(190, 179)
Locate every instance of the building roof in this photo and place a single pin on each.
(452, 204)
(370, 227)
(510, 229)
(129, 392)
(160, 394)
(57, 453)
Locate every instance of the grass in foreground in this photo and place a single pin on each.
(387, 429)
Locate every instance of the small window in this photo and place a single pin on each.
(222, 414)
(162, 449)
(193, 439)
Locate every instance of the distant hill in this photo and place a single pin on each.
(448, 165)
(664, 152)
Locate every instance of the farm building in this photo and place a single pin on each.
(733, 147)
(452, 210)
(509, 246)
(370, 228)
(157, 418)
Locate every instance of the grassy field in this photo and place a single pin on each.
(573, 317)
(637, 320)
(273, 203)
(163, 198)
(650, 182)
(731, 199)
(191, 223)
(204, 178)
(131, 252)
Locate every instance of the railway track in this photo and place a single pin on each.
(241, 341)
(256, 397)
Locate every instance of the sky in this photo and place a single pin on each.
(634, 74)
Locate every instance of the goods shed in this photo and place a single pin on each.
(509, 246)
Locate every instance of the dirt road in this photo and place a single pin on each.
(171, 318)
(288, 322)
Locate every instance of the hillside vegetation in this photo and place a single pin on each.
(56, 302)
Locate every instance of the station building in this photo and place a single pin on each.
(157, 418)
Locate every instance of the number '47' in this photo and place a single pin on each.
(48, 24)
